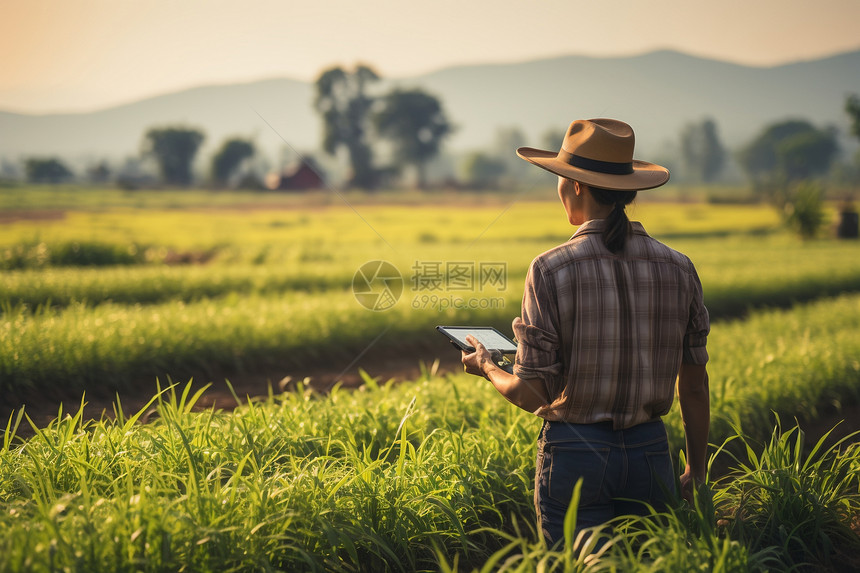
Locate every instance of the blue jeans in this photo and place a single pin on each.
(619, 468)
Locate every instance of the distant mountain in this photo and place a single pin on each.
(220, 110)
(656, 92)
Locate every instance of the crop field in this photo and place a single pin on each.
(136, 293)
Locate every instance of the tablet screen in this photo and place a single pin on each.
(488, 336)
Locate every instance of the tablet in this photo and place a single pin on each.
(486, 335)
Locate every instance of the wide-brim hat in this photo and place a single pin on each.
(599, 152)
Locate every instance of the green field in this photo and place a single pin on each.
(105, 291)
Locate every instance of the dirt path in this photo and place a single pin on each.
(385, 365)
(382, 365)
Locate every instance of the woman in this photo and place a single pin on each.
(610, 320)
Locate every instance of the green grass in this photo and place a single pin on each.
(63, 287)
(781, 509)
(738, 273)
(366, 478)
(76, 197)
(404, 477)
(456, 221)
(109, 346)
(802, 362)
(435, 474)
(277, 295)
(802, 503)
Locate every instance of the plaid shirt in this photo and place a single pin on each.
(607, 333)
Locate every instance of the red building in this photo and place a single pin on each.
(301, 178)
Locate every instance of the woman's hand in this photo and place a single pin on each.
(476, 362)
(689, 483)
(530, 395)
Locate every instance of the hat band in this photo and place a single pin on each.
(608, 167)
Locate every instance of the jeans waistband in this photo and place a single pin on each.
(643, 433)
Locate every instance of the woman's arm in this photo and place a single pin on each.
(530, 395)
(694, 399)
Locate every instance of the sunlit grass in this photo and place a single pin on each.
(806, 358)
(802, 362)
(434, 474)
(737, 273)
(371, 479)
(430, 475)
(783, 507)
(461, 222)
(804, 503)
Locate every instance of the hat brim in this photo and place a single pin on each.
(645, 175)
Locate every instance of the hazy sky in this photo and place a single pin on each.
(61, 55)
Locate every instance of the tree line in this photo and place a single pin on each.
(410, 122)
(173, 148)
(384, 136)
(784, 164)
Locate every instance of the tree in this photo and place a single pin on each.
(229, 158)
(790, 150)
(482, 171)
(552, 138)
(782, 160)
(174, 149)
(807, 154)
(46, 170)
(506, 140)
(416, 124)
(852, 108)
(342, 100)
(701, 150)
(99, 173)
(805, 211)
(849, 172)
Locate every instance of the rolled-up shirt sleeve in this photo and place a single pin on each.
(537, 332)
(698, 326)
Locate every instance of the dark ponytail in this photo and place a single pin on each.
(617, 223)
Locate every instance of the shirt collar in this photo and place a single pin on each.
(597, 225)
